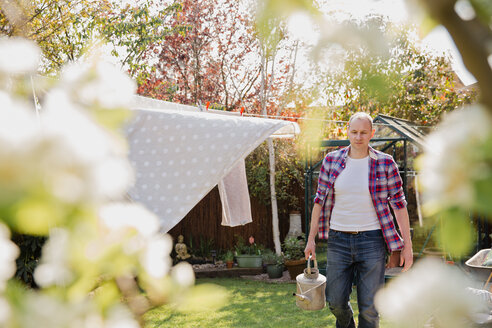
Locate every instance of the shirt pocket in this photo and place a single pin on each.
(382, 186)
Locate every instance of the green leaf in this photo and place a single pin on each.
(483, 190)
(37, 216)
(483, 8)
(107, 295)
(455, 232)
(376, 86)
(271, 11)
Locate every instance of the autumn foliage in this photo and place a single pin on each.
(214, 58)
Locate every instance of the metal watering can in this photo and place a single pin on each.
(311, 287)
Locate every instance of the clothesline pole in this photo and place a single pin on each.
(264, 91)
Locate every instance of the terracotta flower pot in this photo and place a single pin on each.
(230, 264)
(394, 259)
(295, 267)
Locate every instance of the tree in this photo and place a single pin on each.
(408, 82)
(65, 29)
(471, 35)
(61, 28)
(207, 60)
(215, 58)
(268, 51)
(134, 29)
(269, 48)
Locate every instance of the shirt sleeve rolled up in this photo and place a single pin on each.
(395, 190)
(322, 182)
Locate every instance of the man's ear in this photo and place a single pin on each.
(373, 131)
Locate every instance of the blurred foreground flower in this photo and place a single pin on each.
(40, 310)
(456, 175)
(103, 89)
(93, 82)
(64, 154)
(62, 173)
(456, 168)
(8, 254)
(431, 292)
(12, 63)
(54, 268)
(138, 236)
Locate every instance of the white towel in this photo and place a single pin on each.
(234, 196)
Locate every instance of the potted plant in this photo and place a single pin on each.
(274, 264)
(294, 255)
(248, 256)
(229, 259)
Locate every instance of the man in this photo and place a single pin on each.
(351, 210)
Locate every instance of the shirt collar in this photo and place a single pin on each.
(372, 153)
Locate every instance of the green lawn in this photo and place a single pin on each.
(252, 304)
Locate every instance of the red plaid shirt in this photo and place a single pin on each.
(385, 186)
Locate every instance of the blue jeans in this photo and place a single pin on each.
(362, 256)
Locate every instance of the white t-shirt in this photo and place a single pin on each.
(353, 209)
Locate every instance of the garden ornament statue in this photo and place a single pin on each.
(181, 249)
(311, 287)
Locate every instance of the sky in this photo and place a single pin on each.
(301, 26)
(438, 40)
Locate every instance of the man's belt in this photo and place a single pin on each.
(349, 232)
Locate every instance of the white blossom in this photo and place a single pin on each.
(63, 151)
(5, 311)
(49, 312)
(155, 258)
(120, 317)
(153, 248)
(88, 163)
(125, 215)
(430, 290)
(8, 254)
(19, 131)
(452, 161)
(18, 124)
(94, 82)
(183, 274)
(18, 56)
(54, 268)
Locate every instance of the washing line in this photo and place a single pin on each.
(322, 120)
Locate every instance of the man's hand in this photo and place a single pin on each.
(310, 249)
(406, 257)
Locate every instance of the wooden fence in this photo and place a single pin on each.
(203, 223)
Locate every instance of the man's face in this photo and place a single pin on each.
(359, 133)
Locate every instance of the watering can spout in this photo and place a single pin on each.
(302, 297)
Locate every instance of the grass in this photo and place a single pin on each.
(252, 304)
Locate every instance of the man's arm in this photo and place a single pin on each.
(399, 205)
(313, 231)
(406, 255)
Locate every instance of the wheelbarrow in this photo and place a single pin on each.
(478, 270)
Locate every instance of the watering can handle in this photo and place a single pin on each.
(309, 264)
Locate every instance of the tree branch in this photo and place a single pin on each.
(471, 38)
